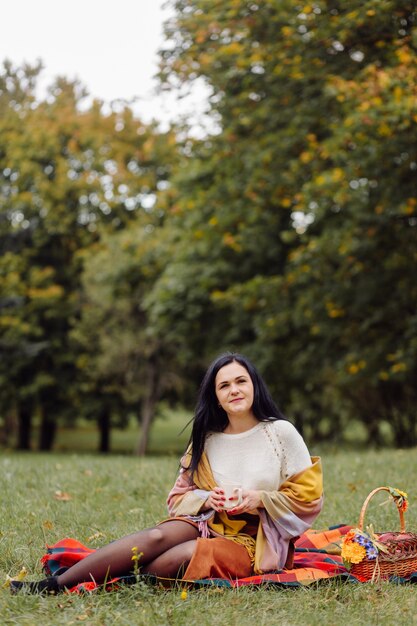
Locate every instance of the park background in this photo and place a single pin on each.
(133, 252)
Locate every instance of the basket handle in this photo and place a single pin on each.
(365, 504)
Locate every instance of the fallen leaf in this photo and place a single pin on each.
(63, 496)
(47, 525)
(20, 576)
(96, 535)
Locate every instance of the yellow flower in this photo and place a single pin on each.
(401, 497)
(136, 555)
(352, 552)
(184, 594)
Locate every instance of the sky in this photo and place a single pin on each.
(109, 45)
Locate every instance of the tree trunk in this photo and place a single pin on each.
(47, 433)
(148, 407)
(9, 430)
(103, 423)
(402, 423)
(24, 426)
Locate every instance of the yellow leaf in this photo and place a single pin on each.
(338, 174)
(54, 291)
(97, 535)
(233, 48)
(404, 55)
(48, 525)
(230, 241)
(63, 496)
(398, 94)
(20, 576)
(306, 157)
(398, 367)
(384, 130)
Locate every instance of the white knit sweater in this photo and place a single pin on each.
(260, 458)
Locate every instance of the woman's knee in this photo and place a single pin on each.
(175, 532)
(155, 536)
(158, 539)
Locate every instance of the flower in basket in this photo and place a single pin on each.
(400, 497)
(358, 545)
(352, 551)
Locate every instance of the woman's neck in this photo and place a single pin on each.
(240, 424)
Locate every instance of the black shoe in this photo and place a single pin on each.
(45, 586)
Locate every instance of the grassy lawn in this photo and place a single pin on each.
(114, 495)
(169, 435)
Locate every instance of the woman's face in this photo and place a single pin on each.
(234, 389)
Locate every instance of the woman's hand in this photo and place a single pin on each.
(251, 500)
(215, 500)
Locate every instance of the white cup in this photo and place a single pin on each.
(231, 490)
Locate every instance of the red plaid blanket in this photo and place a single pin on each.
(317, 557)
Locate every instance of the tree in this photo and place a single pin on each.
(67, 174)
(357, 261)
(292, 209)
(124, 366)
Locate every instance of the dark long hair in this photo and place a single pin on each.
(209, 417)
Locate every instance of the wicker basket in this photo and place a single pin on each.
(400, 559)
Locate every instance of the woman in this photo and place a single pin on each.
(238, 434)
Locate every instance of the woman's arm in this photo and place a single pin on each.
(185, 498)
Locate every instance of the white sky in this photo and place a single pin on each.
(109, 45)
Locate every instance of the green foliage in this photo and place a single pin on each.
(123, 365)
(68, 174)
(301, 213)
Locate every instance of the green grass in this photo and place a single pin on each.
(113, 496)
(169, 435)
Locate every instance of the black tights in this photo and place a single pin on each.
(166, 548)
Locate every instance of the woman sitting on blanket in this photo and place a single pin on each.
(238, 436)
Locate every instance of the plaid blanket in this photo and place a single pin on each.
(317, 557)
